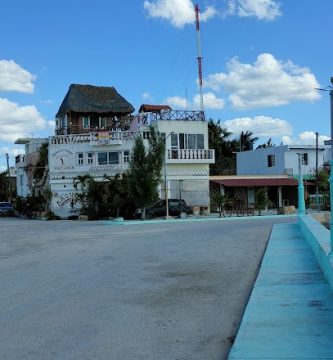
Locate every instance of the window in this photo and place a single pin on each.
(126, 156)
(90, 158)
(146, 135)
(102, 158)
(174, 141)
(113, 157)
(108, 158)
(305, 159)
(271, 160)
(86, 122)
(102, 122)
(80, 159)
(200, 141)
(191, 141)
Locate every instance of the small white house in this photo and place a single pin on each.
(282, 160)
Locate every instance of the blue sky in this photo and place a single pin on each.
(262, 60)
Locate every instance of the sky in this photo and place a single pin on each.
(262, 62)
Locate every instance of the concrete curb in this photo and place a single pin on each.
(191, 219)
(318, 238)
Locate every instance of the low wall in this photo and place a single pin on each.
(318, 238)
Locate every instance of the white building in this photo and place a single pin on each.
(281, 160)
(95, 135)
(25, 164)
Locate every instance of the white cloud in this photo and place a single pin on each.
(259, 125)
(176, 102)
(146, 97)
(304, 138)
(20, 121)
(178, 13)
(209, 99)
(260, 9)
(14, 78)
(47, 101)
(268, 82)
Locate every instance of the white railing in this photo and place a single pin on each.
(191, 154)
(94, 138)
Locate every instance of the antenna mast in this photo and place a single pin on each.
(197, 25)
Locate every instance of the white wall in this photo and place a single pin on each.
(254, 162)
(309, 169)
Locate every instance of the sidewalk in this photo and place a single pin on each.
(290, 311)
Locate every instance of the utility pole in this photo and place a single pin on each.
(317, 196)
(199, 58)
(301, 202)
(9, 182)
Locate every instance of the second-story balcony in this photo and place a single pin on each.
(94, 138)
(191, 156)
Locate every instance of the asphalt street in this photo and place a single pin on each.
(86, 290)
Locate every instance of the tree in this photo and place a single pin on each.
(145, 168)
(261, 199)
(218, 200)
(218, 139)
(246, 140)
(267, 144)
(116, 192)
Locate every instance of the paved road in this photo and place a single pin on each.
(84, 290)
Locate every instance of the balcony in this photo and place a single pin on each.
(93, 138)
(110, 137)
(183, 115)
(191, 156)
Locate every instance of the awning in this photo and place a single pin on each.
(257, 182)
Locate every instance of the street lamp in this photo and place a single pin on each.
(301, 202)
(165, 178)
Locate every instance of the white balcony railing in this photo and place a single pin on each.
(93, 138)
(191, 155)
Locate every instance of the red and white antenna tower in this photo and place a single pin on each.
(197, 25)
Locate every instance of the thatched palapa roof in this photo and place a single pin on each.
(94, 99)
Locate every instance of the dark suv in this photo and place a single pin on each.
(6, 209)
(177, 207)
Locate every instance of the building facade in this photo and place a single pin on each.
(94, 135)
(282, 160)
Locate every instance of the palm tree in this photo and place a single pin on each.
(246, 141)
(82, 182)
(218, 138)
(261, 199)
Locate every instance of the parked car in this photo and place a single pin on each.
(177, 207)
(6, 209)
